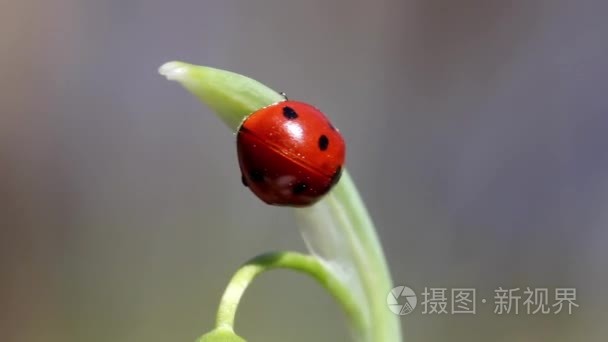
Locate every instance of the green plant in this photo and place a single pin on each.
(346, 255)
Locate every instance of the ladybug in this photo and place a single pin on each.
(290, 154)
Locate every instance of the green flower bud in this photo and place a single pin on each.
(231, 96)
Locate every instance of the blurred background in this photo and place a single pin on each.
(476, 132)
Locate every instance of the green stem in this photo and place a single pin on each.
(348, 208)
(306, 264)
(339, 231)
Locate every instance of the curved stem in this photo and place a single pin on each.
(339, 230)
(306, 264)
(349, 209)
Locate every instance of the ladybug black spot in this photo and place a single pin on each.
(299, 188)
(323, 142)
(244, 180)
(336, 177)
(257, 176)
(289, 113)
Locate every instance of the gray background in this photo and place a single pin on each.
(476, 132)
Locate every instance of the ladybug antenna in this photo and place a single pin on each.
(284, 95)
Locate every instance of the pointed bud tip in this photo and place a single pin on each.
(174, 71)
(230, 95)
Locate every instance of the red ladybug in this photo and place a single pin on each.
(290, 154)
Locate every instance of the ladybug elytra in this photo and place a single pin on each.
(290, 154)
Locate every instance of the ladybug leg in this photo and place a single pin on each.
(284, 95)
